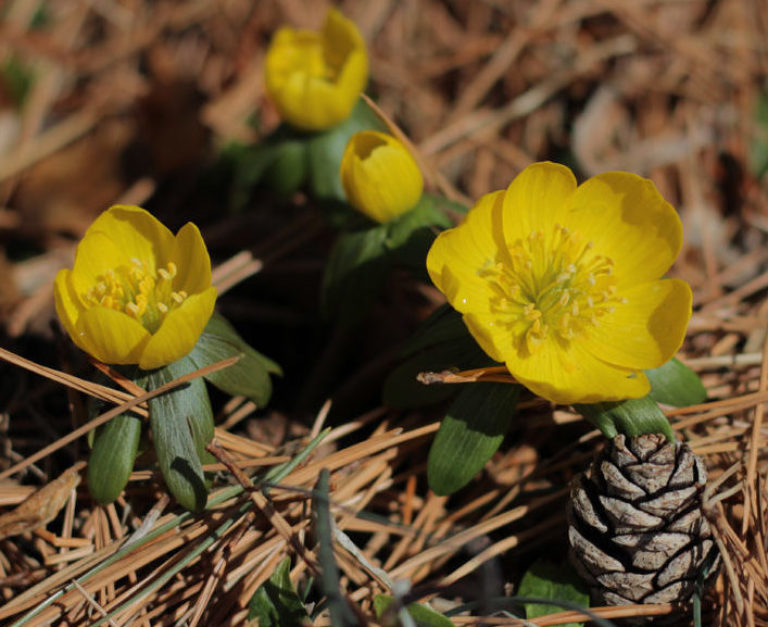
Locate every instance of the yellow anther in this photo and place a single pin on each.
(132, 310)
(534, 314)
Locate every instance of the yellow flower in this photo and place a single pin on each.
(379, 175)
(562, 283)
(137, 294)
(316, 78)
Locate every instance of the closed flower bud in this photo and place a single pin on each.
(379, 175)
(316, 78)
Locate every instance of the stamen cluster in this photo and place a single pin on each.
(551, 285)
(138, 292)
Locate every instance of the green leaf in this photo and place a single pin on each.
(403, 391)
(443, 325)
(385, 608)
(114, 452)
(248, 377)
(278, 163)
(286, 169)
(182, 425)
(559, 582)
(326, 149)
(410, 235)
(470, 434)
(354, 273)
(276, 603)
(632, 417)
(676, 384)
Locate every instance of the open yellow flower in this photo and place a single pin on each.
(316, 78)
(137, 294)
(379, 175)
(562, 283)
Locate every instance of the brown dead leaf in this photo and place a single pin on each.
(41, 507)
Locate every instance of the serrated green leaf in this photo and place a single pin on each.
(403, 391)
(545, 580)
(422, 615)
(674, 383)
(470, 434)
(632, 417)
(325, 150)
(354, 273)
(247, 377)
(276, 603)
(182, 425)
(112, 458)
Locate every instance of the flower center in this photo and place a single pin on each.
(551, 287)
(134, 290)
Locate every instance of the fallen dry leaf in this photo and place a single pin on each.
(41, 507)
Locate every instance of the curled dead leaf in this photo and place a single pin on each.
(42, 506)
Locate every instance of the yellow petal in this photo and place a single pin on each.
(345, 53)
(492, 339)
(575, 375)
(290, 51)
(628, 220)
(648, 329)
(135, 231)
(458, 254)
(180, 331)
(110, 336)
(379, 175)
(97, 253)
(68, 306)
(536, 200)
(192, 261)
(341, 38)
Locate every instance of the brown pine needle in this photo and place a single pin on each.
(498, 374)
(116, 411)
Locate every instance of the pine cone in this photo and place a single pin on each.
(635, 523)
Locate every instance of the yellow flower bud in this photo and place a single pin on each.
(379, 175)
(316, 78)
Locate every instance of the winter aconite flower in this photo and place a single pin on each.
(379, 175)
(137, 294)
(316, 78)
(562, 283)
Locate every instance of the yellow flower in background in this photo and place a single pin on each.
(314, 78)
(137, 294)
(379, 175)
(562, 283)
